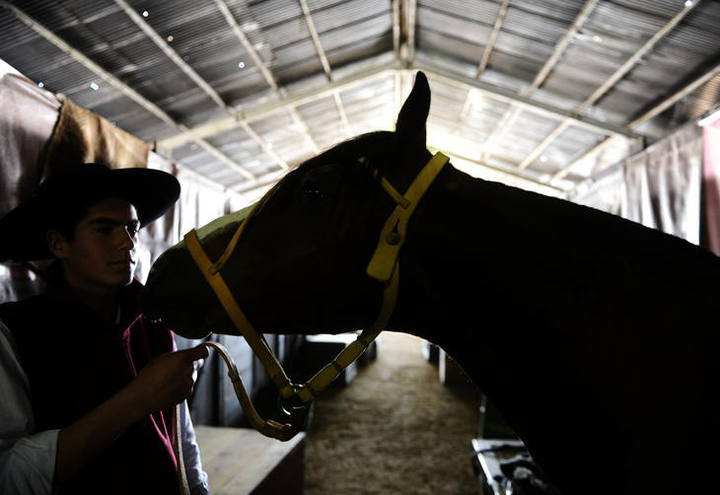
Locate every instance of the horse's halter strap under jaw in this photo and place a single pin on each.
(383, 267)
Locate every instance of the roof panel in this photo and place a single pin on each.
(356, 36)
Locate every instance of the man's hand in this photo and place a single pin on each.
(168, 379)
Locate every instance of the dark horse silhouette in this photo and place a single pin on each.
(595, 336)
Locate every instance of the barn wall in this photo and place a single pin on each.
(711, 186)
(659, 187)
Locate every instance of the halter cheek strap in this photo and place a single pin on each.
(394, 232)
(383, 267)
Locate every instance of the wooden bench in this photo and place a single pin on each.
(241, 461)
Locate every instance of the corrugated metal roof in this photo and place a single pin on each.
(499, 119)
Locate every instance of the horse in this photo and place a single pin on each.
(593, 335)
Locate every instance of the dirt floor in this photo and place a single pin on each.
(394, 430)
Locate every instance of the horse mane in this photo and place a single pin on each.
(371, 145)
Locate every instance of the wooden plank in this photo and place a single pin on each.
(239, 460)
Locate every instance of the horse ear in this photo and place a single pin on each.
(410, 125)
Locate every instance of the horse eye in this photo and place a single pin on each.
(313, 193)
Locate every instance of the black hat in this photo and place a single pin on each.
(23, 229)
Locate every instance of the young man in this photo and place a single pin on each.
(89, 388)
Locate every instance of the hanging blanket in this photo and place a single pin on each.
(80, 136)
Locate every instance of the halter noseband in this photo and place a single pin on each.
(383, 267)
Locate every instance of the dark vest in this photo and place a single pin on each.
(75, 360)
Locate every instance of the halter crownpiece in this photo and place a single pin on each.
(383, 267)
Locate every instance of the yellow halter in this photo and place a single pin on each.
(383, 267)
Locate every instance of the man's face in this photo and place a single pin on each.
(101, 257)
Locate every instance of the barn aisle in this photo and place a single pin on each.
(394, 430)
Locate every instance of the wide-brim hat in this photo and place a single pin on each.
(23, 230)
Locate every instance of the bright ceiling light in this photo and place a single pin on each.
(41, 84)
(145, 13)
(241, 65)
(94, 86)
(170, 38)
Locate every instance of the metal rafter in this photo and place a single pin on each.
(341, 110)
(312, 29)
(404, 20)
(170, 53)
(269, 78)
(648, 115)
(667, 103)
(248, 115)
(485, 58)
(511, 115)
(120, 86)
(316, 39)
(410, 23)
(405, 17)
(396, 27)
(197, 79)
(610, 82)
(490, 45)
(536, 106)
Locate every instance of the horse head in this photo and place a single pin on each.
(300, 265)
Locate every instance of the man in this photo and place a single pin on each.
(88, 386)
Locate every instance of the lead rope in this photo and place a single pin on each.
(383, 267)
(182, 473)
(268, 427)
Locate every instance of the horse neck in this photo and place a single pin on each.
(550, 308)
(473, 242)
(479, 270)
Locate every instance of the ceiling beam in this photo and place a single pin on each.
(316, 39)
(490, 45)
(312, 29)
(396, 27)
(260, 111)
(197, 79)
(671, 100)
(248, 115)
(485, 58)
(269, 79)
(411, 12)
(121, 86)
(592, 151)
(406, 22)
(610, 82)
(169, 52)
(647, 115)
(511, 114)
(525, 102)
